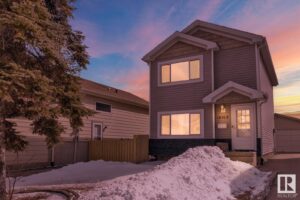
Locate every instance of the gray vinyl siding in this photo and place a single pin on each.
(235, 61)
(180, 97)
(267, 112)
(224, 133)
(236, 65)
(223, 42)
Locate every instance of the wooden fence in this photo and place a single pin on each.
(129, 150)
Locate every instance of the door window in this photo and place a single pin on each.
(243, 123)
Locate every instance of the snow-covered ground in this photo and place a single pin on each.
(85, 172)
(199, 173)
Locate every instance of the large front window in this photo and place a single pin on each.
(180, 71)
(183, 124)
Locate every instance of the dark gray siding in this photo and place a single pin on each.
(223, 42)
(182, 96)
(235, 61)
(236, 65)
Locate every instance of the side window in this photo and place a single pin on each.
(103, 107)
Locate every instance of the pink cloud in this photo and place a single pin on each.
(281, 27)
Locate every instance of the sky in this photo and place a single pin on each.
(119, 32)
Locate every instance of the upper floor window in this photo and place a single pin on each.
(180, 71)
(103, 107)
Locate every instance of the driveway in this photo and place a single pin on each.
(283, 164)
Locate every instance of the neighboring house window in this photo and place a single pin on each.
(181, 124)
(103, 107)
(181, 71)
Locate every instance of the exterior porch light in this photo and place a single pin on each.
(223, 109)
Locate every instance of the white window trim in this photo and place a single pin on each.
(191, 58)
(202, 116)
(102, 110)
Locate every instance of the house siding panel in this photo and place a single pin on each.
(237, 65)
(267, 112)
(124, 121)
(223, 42)
(180, 97)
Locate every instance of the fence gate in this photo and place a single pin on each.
(129, 150)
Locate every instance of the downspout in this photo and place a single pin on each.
(149, 107)
(260, 102)
(213, 88)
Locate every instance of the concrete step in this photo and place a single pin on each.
(247, 157)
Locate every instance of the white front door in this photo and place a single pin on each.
(96, 131)
(243, 127)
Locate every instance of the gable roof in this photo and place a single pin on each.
(250, 38)
(236, 34)
(176, 37)
(229, 87)
(277, 115)
(110, 93)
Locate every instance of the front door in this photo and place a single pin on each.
(243, 127)
(96, 131)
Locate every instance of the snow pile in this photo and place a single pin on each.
(199, 173)
(84, 172)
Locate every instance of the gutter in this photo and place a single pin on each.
(84, 91)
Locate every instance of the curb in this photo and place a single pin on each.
(68, 194)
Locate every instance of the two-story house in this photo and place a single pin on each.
(211, 84)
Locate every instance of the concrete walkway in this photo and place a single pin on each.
(283, 164)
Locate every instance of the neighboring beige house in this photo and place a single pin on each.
(119, 114)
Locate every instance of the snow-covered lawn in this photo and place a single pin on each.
(199, 173)
(85, 172)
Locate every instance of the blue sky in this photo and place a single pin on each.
(119, 33)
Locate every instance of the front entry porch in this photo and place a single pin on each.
(236, 115)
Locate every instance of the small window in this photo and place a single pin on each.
(165, 124)
(195, 123)
(165, 74)
(103, 107)
(194, 69)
